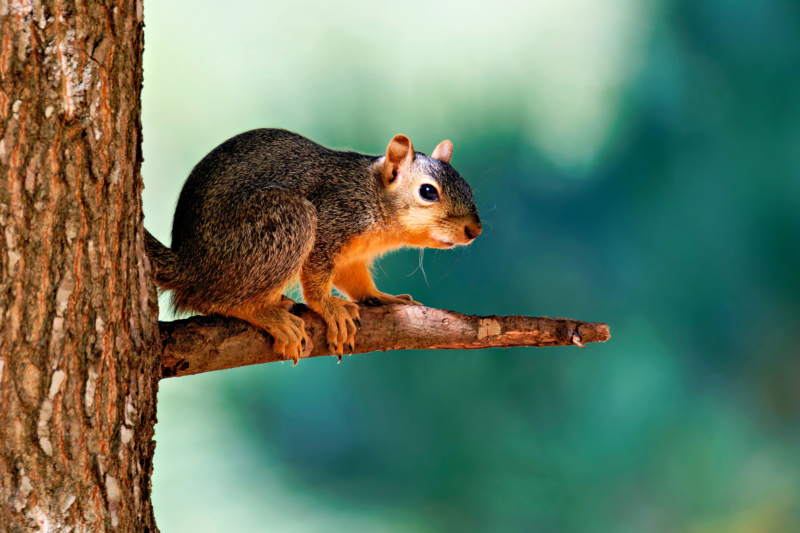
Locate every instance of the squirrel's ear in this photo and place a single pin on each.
(443, 152)
(399, 156)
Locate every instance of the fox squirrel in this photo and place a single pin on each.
(269, 205)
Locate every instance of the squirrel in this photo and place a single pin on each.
(268, 206)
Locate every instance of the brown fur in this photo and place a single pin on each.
(269, 206)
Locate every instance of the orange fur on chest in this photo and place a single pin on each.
(365, 248)
(351, 273)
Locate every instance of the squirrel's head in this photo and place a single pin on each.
(427, 197)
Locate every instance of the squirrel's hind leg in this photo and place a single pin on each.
(267, 237)
(287, 330)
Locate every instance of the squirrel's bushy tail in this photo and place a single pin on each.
(164, 261)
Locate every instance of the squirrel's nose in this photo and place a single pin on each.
(472, 230)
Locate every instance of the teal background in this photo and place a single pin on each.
(634, 162)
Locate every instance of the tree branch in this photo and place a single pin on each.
(203, 344)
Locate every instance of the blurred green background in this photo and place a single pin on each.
(635, 162)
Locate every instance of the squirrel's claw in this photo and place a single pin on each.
(287, 351)
(408, 299)
(387, 299)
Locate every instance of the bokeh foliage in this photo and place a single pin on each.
(634, 162)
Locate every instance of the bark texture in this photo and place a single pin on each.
(203, 344)
(79, 346)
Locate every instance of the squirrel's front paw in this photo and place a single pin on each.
(341, 317)
(387, 299)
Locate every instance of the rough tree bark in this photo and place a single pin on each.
(79, 349)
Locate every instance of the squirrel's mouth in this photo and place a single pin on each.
(443, 244)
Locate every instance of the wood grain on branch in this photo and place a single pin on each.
(203, 344)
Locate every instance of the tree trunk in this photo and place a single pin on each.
(79, 364)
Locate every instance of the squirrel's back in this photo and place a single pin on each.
(260, 159)
(273, 158)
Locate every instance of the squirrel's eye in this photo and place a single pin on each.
(428, 192)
